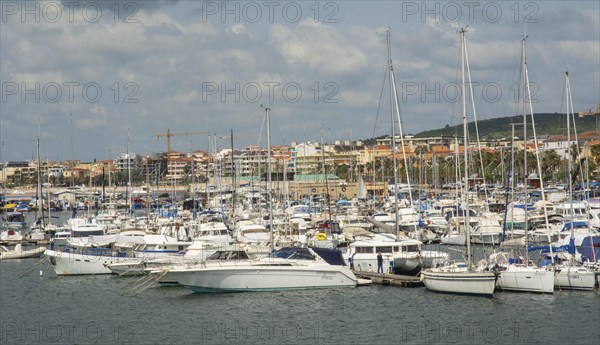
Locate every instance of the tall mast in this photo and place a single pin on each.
(466, 144)
(269, 193)
(129, 201)
(233, 172)
(536, 149)
(524, 67)
(569, 163)
(327, 198)
(40, 196)
(394, 160)
(72, 152)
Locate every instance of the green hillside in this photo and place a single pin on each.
(545, 125)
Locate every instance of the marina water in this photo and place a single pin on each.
(45, 309)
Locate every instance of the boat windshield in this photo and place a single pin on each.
(293, 253)
(228, 255)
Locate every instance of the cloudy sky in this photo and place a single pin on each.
(96, 69)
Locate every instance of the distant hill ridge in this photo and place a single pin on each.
(546, 124)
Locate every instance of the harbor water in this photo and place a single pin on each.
(38, 307)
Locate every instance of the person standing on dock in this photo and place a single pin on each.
(379, 263)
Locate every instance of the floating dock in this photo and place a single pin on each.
(390, 279)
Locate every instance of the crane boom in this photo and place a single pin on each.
(168, 135)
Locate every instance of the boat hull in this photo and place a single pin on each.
(456, 240)
(463, 283)
(526, 279)
(574, 278)
(265, 278)
(133, 268)
(33, 253)
(78, 264)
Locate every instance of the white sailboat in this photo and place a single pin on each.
(461, 278)
(516, 274)
(570, 274)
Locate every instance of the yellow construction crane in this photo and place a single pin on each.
(590, 112)
(595, 113)
(169, 135)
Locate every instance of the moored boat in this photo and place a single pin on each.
(285, 269)
(19, 253)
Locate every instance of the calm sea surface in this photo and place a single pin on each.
(48, 309)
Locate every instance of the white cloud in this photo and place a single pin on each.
(171, 52)
(319, 47)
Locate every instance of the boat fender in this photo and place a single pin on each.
(321, 236)
(421, 277)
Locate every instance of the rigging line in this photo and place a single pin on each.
(529, 100)
(279, 131)
(380, 98)
(564, 124)
(514, 77)
(262, 126)
(476, 126)
(577, 147)
(453, 115)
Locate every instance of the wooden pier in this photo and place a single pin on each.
(390, 279)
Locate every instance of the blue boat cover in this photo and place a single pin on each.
(331, 256)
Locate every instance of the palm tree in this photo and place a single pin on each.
(551, 162)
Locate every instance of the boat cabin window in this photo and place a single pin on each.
(387, 249)
(396, 249)
(364, 250)
(87, 233)
(410, 248)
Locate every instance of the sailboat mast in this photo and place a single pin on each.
(529, 100)
(129, 201)
(269, 195)
(327, 197)
(397, 104)
(466, 144)
(569, 163)
(39, 180)
(509, 185)
(233, 173)
(525, 99)
(394, 159)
